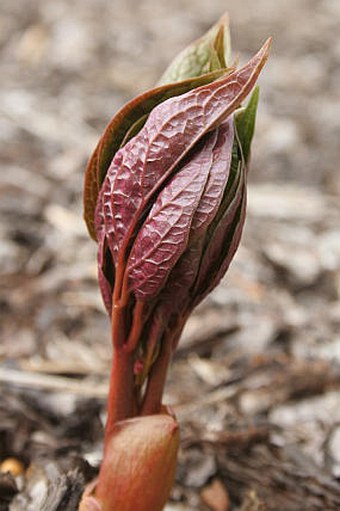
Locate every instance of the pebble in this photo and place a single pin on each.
(301, 264)
(215, 496)
(13, 466)
(203, 467)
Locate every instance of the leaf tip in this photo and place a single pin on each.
(267, 45)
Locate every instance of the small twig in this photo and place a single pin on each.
(54, 383)
(186, 409)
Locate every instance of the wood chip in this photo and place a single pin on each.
(216, 497)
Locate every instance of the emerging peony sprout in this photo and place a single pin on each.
(165, 198)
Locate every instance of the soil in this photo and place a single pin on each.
(255, 381)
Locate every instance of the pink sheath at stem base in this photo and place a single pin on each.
(138, 468)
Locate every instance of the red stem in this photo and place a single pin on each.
(137, 326)
(152, 402)
(124, 394)
(121, 402)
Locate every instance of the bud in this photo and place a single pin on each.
(165, 192)
(163, 176)
(139, 466)
(193, 67)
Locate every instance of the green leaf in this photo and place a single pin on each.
(214, 63)
(219, 46)
(245, 123)
(195, 60)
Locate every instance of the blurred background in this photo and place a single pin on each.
(269, 335)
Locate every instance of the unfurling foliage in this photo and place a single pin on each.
(165, 198)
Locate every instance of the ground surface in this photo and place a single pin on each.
(255, 382)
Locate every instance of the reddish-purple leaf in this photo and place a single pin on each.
(106, 270)
(128, 119)
(183, 275)
(217, 180)
(175, 298)
(142, 166)
(224, 239)
(165, 233)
